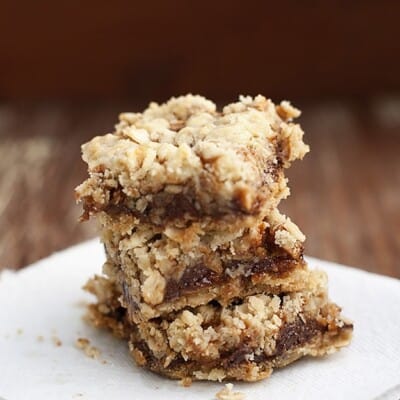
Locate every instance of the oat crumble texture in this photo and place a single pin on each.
(205, 278)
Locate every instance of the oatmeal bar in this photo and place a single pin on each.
(185, 160)
(243, 341)
(205, 278)
(159, 271)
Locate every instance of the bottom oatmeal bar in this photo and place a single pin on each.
(243, 341)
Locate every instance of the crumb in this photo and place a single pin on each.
(57, 342)
(20, 331)
(186, 382)
(82, 343)
(90, 351)
(40, 338)
(227, 393)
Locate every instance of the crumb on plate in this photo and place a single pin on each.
(89, 350)
(227, 393)
(186, 382)
(56, 341)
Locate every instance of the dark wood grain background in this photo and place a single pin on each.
(151, 49)
(68, 68)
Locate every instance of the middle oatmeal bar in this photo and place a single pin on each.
(184, 160)
(160, 270)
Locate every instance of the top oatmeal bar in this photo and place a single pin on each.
(184, 160)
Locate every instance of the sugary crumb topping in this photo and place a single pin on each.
(186, 145)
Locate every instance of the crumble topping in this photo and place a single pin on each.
(186, 147)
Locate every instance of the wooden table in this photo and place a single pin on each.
(345, 194)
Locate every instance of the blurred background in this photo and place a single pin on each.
(68, 68)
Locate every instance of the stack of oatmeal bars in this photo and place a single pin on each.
(204, 277)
